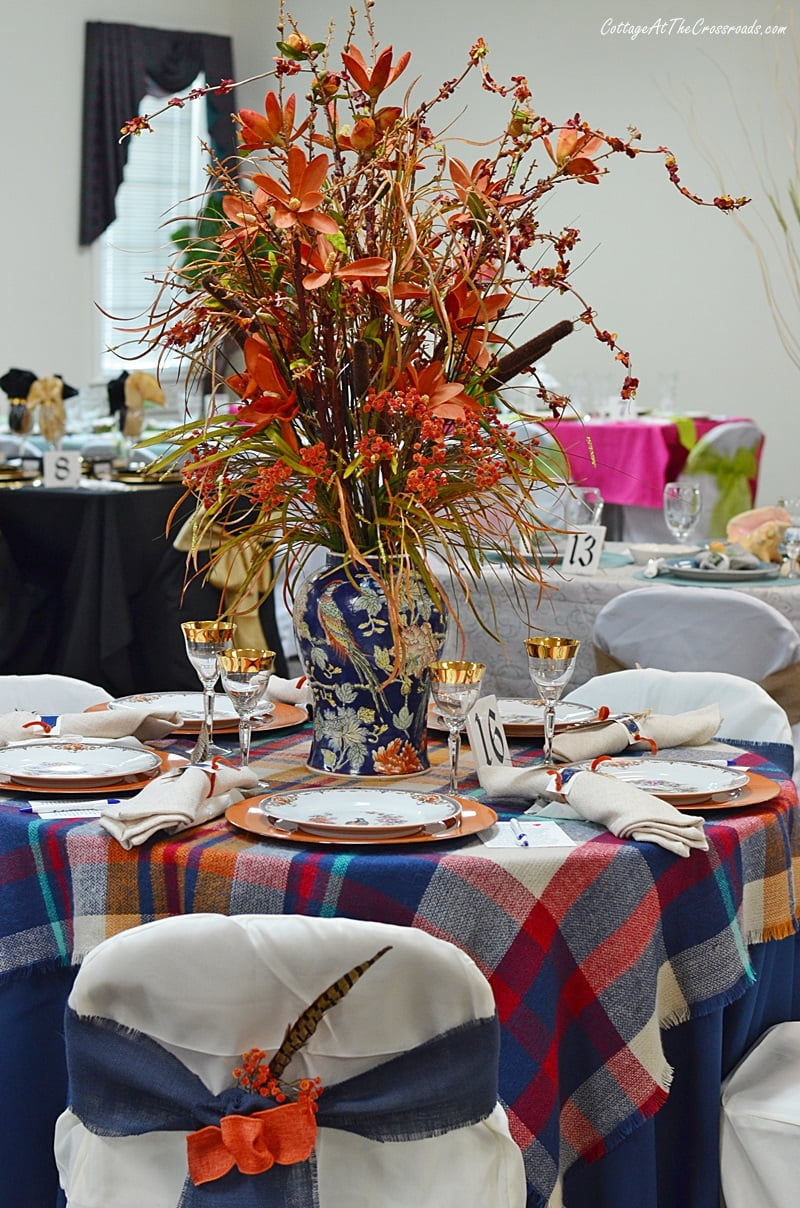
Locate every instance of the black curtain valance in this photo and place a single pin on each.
(122, 64)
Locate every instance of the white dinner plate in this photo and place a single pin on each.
(360, 812)
(75, 761)
(188, 704)
(686, 568)
(525, 718)
(644, 552)
(674, 780)
(512, 712)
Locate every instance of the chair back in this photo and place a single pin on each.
(749, 714)
(17, 446)
(697, 629)
(49, 694)
(208, 988)
(100, 448)
(760, 1123)
(724, 463)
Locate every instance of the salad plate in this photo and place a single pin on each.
(525, 718)
(189, 705)
(368, 812)
(168, 762)
(78, 762)
(674, 780)
(250, 816)
(687, 568)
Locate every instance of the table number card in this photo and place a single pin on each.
(62, 469)
(487, 738)
(582, 550)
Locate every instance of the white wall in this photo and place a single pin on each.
(679, 284)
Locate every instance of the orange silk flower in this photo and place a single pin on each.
(284, 1134)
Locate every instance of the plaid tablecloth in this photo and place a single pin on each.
(590, 951)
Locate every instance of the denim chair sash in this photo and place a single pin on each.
(123, 1083)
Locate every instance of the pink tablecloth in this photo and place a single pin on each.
(629, 461)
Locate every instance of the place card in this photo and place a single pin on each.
(535, 833)
(582, 549)
(486, 735)
(61, 469)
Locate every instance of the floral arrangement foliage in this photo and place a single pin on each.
(368, 281)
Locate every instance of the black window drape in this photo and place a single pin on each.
(122, 63)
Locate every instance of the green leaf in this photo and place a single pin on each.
(289, 52)
(338, 241)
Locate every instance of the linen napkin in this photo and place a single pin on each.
(691, 729)
(727, 556)
(175, 801)
(289, 691)
(622, 808)
(144, 724)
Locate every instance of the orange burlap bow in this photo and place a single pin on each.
(284, 1134)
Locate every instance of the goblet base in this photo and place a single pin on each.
(204, 750)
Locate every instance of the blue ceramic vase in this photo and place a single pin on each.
(367, 721)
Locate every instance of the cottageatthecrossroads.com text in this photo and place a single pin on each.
(683, 27)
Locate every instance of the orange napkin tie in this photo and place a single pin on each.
(285, 1134)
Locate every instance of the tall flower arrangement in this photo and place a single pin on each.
(357, 297)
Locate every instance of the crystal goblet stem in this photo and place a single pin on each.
(245, 676)
(551, 662)
(456, 686)
(204, 641)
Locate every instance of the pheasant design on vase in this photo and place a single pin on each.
(368, 675)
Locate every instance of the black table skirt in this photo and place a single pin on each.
(92, 587)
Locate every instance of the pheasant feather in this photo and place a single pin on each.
(306, 1024)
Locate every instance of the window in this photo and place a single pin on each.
(164, 170)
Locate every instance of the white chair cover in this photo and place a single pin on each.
(17, 446)
(760, 1133)
(715, 629)
(209, 988)
(49, 694)
(697, 628)
(101, 447)
(748, 712)
(724, 441)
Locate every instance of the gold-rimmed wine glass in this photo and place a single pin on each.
(455, 686)
(245, 676)
(204, 641)
(551, 662)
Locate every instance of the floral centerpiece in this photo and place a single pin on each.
(358, 298)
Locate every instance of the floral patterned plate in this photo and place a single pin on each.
(188, 704)
(374, 812)
(673, 780)
(249, 816)
(525, 718)
(275, 714)
(75, 761)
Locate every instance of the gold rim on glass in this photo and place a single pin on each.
(207, 631)
(243, 660)
(552, 648)
(456, 671)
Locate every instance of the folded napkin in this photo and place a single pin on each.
(289, 691)
(175, 801)
(691, 729)
(727, 556)
(622, 808)
(144, 724)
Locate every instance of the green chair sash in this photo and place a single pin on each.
(732, 474)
